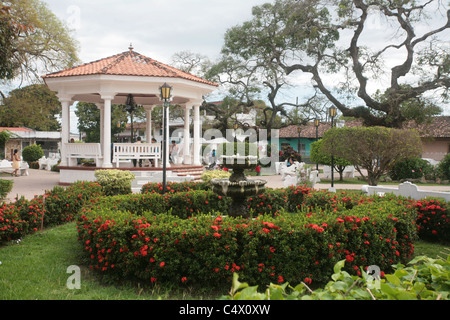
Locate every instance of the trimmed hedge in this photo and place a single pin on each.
(55, 207)
(172, 187)
(207, 249)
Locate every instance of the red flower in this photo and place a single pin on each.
(162, 264)
(307, 280)
(280, 279)
(217, 235)
(349, 258)
(183, 279)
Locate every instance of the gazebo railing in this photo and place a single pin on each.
(138, 151)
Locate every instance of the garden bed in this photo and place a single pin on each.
(295, 234)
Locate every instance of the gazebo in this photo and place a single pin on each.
(110, 81)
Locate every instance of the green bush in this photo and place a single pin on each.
(415, 168)
(5, 187)
(32, 153)
(114, 181)
(444, 167)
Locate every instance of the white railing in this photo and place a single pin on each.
(138, 151)
(406, 189)
(83, 150)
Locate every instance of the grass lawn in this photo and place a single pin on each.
(36, 269)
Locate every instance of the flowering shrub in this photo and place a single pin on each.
(180, 204)
(172, 187)
(56, 206)
(11, 225)
(433, 220)
(208, 249)
(271, 201)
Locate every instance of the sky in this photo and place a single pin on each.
(160, 28)
(155, 28)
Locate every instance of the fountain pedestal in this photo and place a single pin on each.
(238, 187)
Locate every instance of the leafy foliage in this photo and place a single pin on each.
(32, 153)
(422, 279)
(378, 148)
(114, 182)
(33, 106)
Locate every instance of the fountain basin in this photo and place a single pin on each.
(238, 189)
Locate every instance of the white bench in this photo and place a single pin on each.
(47, 163)
(137, 151)
(83, 150)
(7, 165)
(349, 172)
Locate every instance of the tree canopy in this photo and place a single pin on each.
(377, 149)
(34, 41)
(330, 46)
(34, 107)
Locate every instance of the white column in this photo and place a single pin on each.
(197, 160)
(149, 134)
(100, 106)
(187, 137)
(107, 98)
(66, 101)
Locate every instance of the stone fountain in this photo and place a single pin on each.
(238, 187)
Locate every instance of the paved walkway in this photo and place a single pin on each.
(40, 180)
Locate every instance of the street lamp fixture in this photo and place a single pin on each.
(165, 97)
(332, 112)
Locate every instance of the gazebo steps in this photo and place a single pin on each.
(195, 172)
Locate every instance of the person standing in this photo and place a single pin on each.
(173, 151)
(16, 163)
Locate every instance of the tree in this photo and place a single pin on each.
(34, 107)
(374, 149)
(35, 40)
(248, 71)
(331, 42)
(321, 157)
(194, 63)
(89, 120)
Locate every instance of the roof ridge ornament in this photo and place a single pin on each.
(131, 47)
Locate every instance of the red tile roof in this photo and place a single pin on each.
(128, 63)
(15, 129)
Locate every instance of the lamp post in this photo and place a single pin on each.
(235, 126)
(332, 112)
(131, 107)
(165, 96)
(316, 124)
(299, 131)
